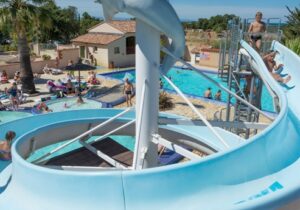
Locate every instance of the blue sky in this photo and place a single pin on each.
(194, 9)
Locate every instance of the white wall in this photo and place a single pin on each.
(102, 56)
(105, 28)
(121, 59)
(37, 66)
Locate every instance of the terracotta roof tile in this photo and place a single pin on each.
(126, 26)
(96, 38)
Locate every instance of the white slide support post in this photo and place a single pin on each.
(147, 72)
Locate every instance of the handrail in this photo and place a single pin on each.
(165, 50)
(240, 89)
(81, 136)
(139, 127)
(196, 111)
(113, 131)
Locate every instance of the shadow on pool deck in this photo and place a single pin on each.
(196, 105)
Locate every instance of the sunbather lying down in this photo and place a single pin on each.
(53, 87)
(54, 71)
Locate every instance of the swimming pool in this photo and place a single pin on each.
(193, 84)
(65, 104)
(8, 116)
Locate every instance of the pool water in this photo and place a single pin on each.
(65, 104)
(191, 83)
(6, 116)
(127, 141)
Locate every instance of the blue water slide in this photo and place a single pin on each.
(262, 173)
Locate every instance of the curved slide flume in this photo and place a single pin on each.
(261, 174)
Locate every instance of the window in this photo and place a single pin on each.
(117, 50)
(130, 45)
(95, 49)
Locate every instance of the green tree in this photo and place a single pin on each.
(217, 23)
(65, 24)
(23, 16)
(292, 29)
(87, 21)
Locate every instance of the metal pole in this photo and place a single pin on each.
(147, 69)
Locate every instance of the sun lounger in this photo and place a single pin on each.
(5, 103)
(47, 70)
(55, 71)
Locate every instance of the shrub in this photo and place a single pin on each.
(46, 57)
(165, 101)
(294, 44)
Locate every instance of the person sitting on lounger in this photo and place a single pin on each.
(271, 65)
(4, 77)
(17, 77)
(70, 77)
(54, 88)
(92, 79)
(46, 69)
(5, 146)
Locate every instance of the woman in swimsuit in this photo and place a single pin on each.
(4, 77)
(5, 146)
(14, 95)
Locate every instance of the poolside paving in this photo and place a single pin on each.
(108, 91)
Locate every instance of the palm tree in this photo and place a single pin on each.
(292, 28)
(24, 17)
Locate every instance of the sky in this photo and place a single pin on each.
(194, 9)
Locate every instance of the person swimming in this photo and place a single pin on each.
(208, 93)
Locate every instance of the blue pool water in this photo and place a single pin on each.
(6, 116)
(191, 83)
(126, 141)
(71, 104)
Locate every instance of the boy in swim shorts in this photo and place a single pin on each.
(256, 30)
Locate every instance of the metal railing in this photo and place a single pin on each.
(196, 111)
